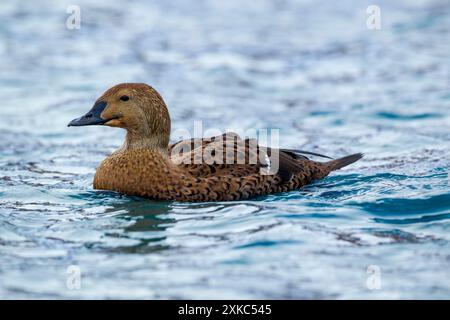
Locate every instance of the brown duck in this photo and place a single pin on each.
(148, 166)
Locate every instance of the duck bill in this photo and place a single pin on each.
(92, 117)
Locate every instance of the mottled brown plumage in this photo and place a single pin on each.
(215, 169)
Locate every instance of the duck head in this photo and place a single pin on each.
(135, 107)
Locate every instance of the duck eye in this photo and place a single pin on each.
(124, 98)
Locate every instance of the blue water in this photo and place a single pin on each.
(310, 68)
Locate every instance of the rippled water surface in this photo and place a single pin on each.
(310, 68)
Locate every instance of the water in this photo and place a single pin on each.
(311, 69)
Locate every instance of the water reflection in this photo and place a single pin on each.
(147, 222)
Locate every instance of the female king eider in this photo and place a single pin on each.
(148, 166)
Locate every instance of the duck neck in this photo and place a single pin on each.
(157, 142)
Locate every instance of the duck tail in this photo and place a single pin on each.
(343, 162)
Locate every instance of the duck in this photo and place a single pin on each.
(148, 165)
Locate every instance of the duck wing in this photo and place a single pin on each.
(229, 155)
(226, 154)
